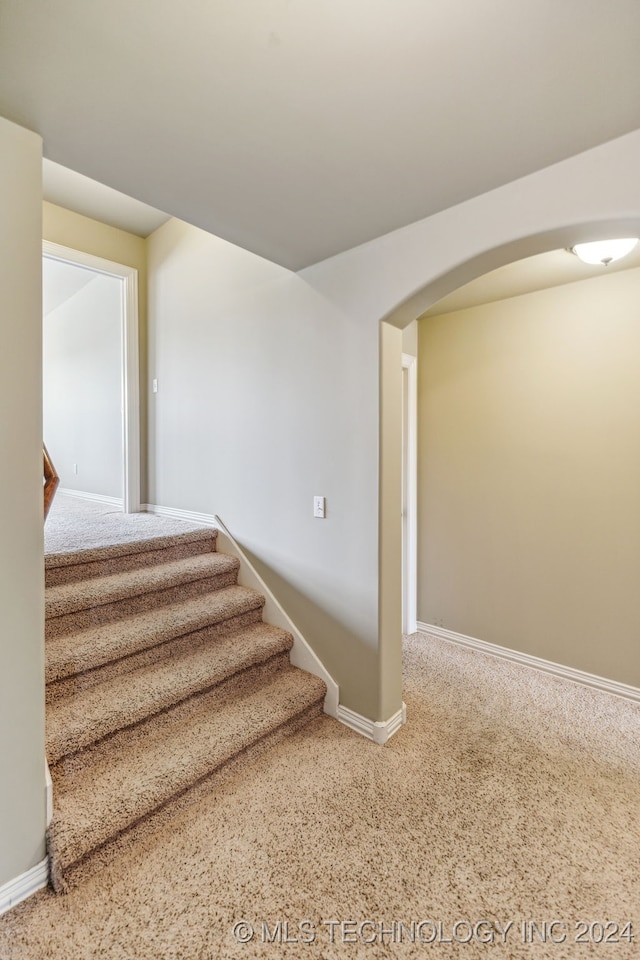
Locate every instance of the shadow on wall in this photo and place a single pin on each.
(363, 658)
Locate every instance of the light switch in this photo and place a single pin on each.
(154, 385)
(319, 507)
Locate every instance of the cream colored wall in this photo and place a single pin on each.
(529, 453)
(101, 240)
(22, 794)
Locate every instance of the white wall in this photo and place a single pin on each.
(22, 796)
(82, 354)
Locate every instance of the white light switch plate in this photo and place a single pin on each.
(319, 507)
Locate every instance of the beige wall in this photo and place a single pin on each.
(101, 240)
(529, 454)
(389, 523)
(267, 396)
(22, 792)
(269, 390)
(311, 342)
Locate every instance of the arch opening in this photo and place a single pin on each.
(470, 268)
(415, 306)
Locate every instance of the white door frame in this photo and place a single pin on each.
(130, 363)
(410, 526)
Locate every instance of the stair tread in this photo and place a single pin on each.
(98, 591)
(113, 789)
(76, 721)
(143, 545)
(95, 646)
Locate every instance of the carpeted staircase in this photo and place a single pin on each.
(159, 674)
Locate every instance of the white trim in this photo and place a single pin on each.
(15, 891)
(410, 548)
(131, 394)
(537, 663)
(301, 654)
(48, 792)
(377, 730)
(95, 497)
(208, 519)
(130, 360)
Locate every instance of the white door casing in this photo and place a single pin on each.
(130, 368)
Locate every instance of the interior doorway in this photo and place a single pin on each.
(91, 376)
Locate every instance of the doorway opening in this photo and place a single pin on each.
(91, 375)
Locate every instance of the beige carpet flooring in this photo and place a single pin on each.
(509, 796)
(75, 524)
(159, 674)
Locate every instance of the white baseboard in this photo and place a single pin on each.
(94, 497)
(13, 892)
(208, 519)
(377, 730)
(48, 792)
(537, 663)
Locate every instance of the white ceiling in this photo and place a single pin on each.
(525, 276)
(77, 192)
(298, 128)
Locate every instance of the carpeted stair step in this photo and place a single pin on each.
(116, 558)
(106, 789)
(121, 645)
(76, 722)
(80, 604)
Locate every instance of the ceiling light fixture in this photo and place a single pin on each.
(604, 251)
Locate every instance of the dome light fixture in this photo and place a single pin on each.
(604, 251)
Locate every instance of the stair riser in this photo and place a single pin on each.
(56, 576)
(69, 873)
(268, 667)
(123, 740)
(106, 613)
(81, 681)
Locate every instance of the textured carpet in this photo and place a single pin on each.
(509, 796)
(75, 524)
(159, 673)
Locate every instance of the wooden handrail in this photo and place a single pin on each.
(51, 481)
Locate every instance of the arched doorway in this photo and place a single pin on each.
(624, 227)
